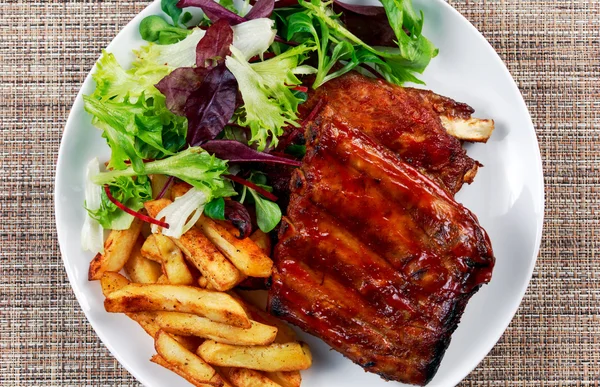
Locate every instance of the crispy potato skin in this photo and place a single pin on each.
(269, 358)
(117, 249)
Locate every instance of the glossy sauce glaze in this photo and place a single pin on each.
(374, 257)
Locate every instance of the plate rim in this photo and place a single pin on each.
(78, 105)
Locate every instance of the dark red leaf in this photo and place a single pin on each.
(285, 3)
(236, 152)
(179, 85)
(214, 46)
(262, 8)
(366, 10)
(210, 108)
(138, 215)
(368, 23)
(253, 186)
(238, 215)
(213, 11)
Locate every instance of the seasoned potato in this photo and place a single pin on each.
(117, 249)
(246, 255)
(174, 265)
(263, 241)
(141, 270)
(216, 306)
(191, 325)
(150, 249)
(270, 358)
(286, 378)
(242, 377)
(192, 367)
(219, 272)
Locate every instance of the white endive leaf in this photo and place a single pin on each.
(92, 234)
(183, 213)
(254, 36)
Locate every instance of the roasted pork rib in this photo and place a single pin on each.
(419, 125)
(375, 257)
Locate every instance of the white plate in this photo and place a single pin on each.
(507, 196)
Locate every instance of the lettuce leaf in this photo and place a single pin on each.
(130, 191)
(269, 104)
(193, 165)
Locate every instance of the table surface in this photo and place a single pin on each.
(552, 49)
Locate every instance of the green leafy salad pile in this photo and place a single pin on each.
(211, 101)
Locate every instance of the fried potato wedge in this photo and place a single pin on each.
(173, 262)
(270, 358)
(243, 377)
(140, 269)
(111, 282)
(246, 255)
(117, 249)
(263, 241)
(191, 325)
(150, 249)
(468, 129)
(219, 272)
(286, 378)
(192, 367)
(285, 334)
(220, 307)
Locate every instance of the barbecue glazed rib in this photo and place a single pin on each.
(419, 125)
(374, 257)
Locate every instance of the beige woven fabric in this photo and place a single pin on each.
(552, 48)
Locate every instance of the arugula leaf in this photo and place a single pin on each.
(170, 8)
(132, 192)
(156, 29)
(193, 165)
(268, 213)
(336, 43)
(215, 209)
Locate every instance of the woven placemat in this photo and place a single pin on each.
(552, 48)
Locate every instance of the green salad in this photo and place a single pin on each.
(213, 102)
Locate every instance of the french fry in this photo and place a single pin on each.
(285, 334)
(269, 358)
(140, 269)
(191, 325)
(263, 241)
(202, 281)
(243, 377)
(243, 253)
(111, 282)
(162, 280)
(219, 272)
(158, 184)
(173, 263)
(150, 249)
(286, 378)
(192, 367)
(117, 250)
(219, 307)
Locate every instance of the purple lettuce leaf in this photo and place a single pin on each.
(214, 11)
(368, 23)
(210, 107)
(238, 215)
(262, 8)
(366, 10)
(214, 46)
(236, 152)
(179, 85)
